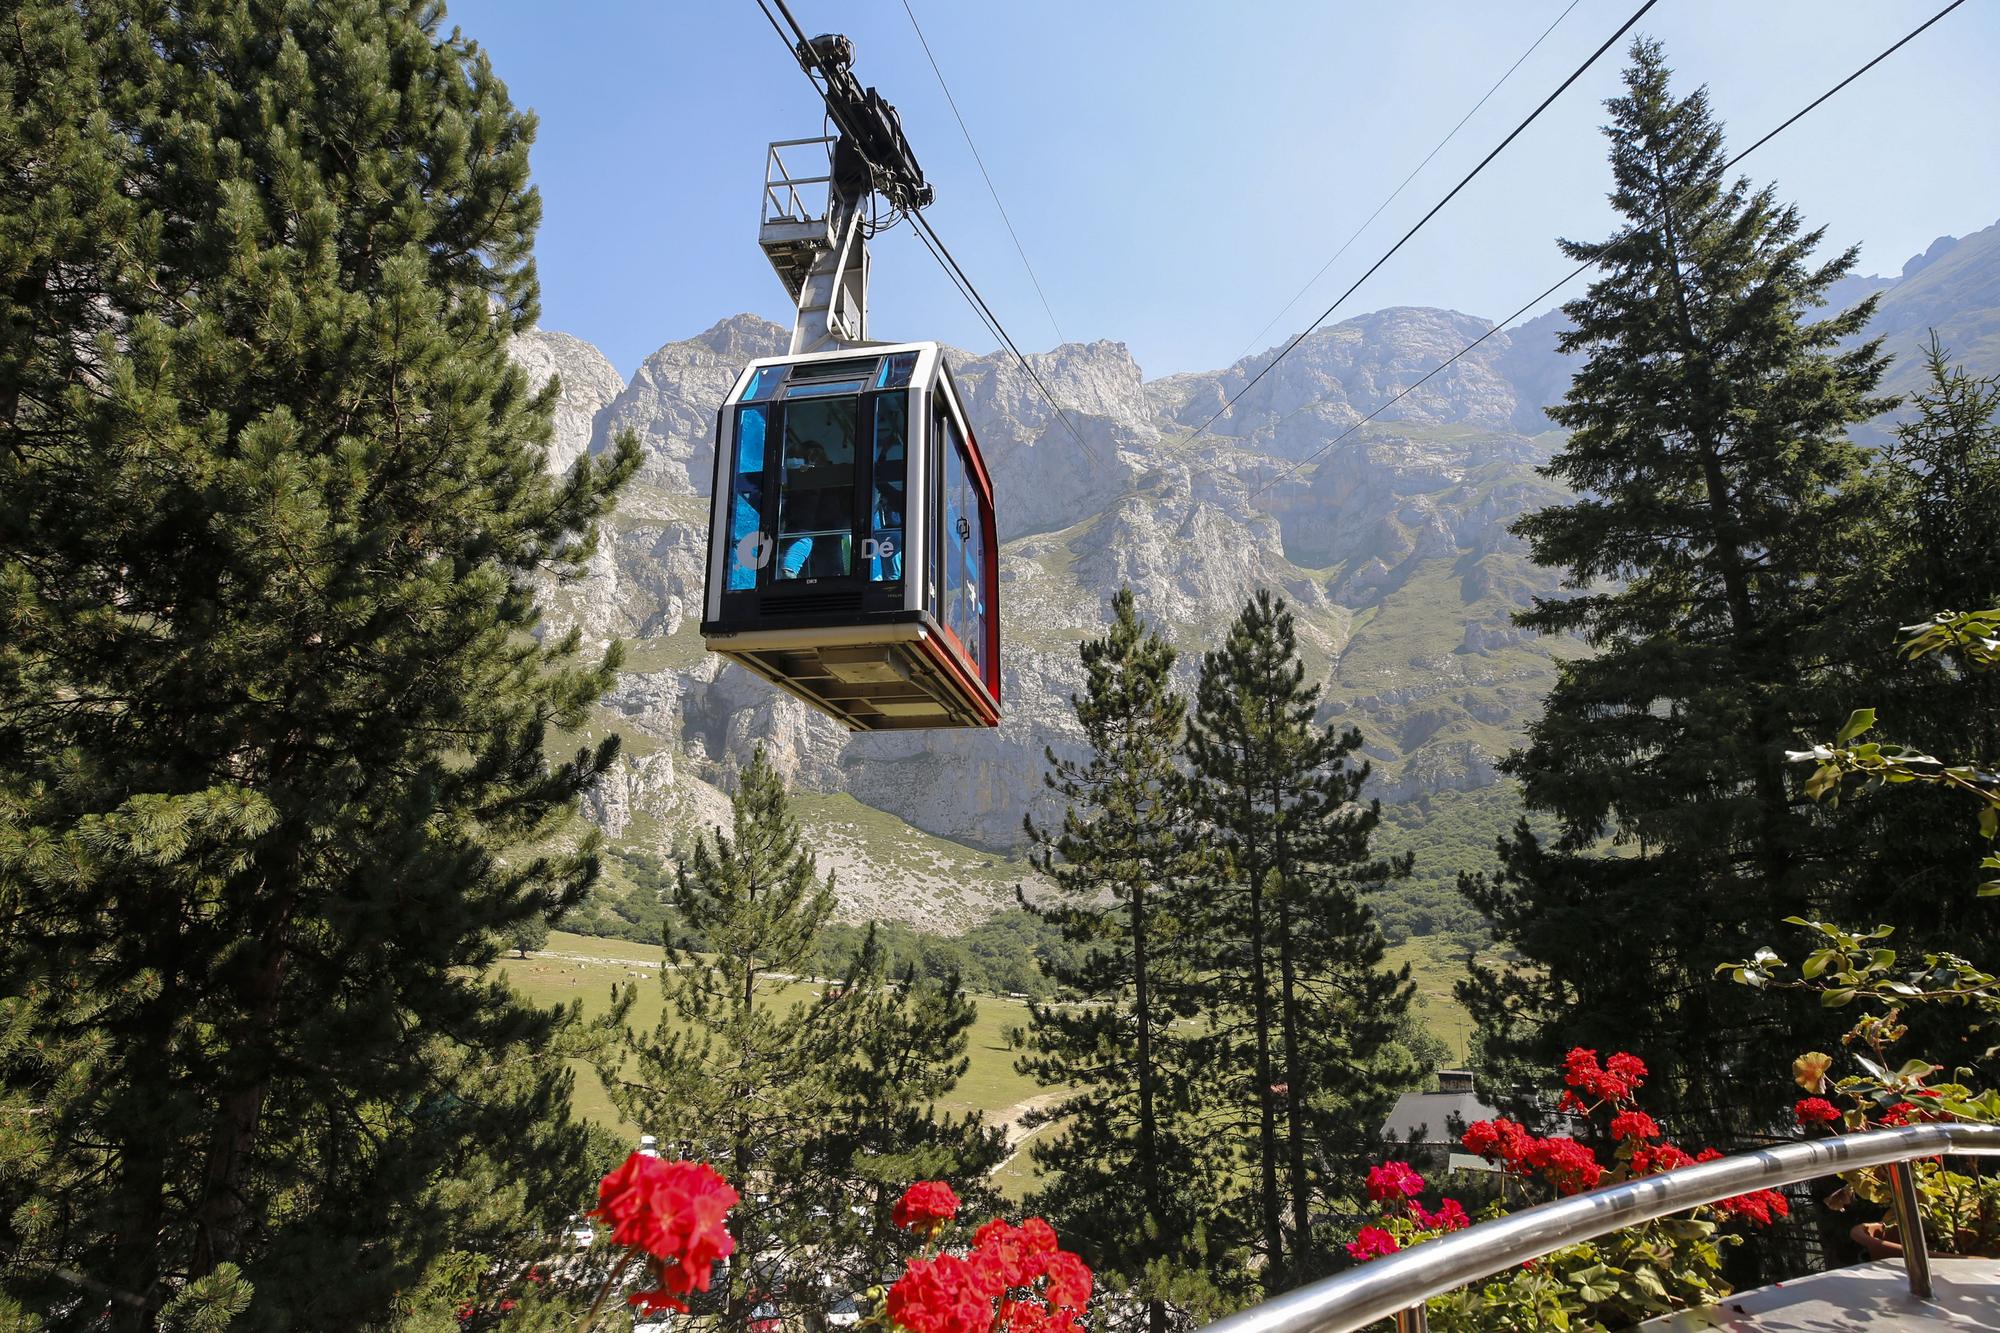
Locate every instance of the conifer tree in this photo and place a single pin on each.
(1909, 853)
(1297, 958)
(1719, 508)
(1132, 1171)
(811, 1104)
(273, 509)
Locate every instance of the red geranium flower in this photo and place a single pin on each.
(675, 1212)
(1450, 1216)
(1759, 1206)
(928, 1203)
(1039, 1236)
(1613, 1081)
(1816, 1111)
(1394, 1180)
(1665, 1157)
(1067, 1282)
(1633, 1125)
(941, 1295)
(1372, 1243)
(1002, 1258)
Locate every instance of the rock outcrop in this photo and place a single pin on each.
(1389, 540)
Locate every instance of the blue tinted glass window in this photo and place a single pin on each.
(763, 383)
(749, 539)
(816, 489)
(958, 528)
(883, 553)
(896, 370)
(821, 388)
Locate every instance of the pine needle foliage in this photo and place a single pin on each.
(274, 508)
(1720, 505)
(1307, 1012)
(814, 1102)
(1133, 1173)
(1912, 856)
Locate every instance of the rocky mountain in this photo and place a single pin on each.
(1390, 543)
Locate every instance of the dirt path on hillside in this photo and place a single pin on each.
(1018, 1134)
(654, 964)
(1010, 1119)
(651, 965)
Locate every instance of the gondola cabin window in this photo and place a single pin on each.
(746, 504)
(816, 489)
(852, 539)
(884, 548)
(961, 546)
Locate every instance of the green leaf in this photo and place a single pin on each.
(1858, 721)
(1836, 997)
(1989, 821)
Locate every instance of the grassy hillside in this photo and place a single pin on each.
(581, 968)
(577, 967)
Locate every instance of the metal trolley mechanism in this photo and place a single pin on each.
(853, 557)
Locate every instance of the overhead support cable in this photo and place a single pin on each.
(990, 189)
(1580, 269)
(1436, 208)
(1396, 193)
(932, 241)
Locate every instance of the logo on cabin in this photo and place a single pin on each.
(754, 551)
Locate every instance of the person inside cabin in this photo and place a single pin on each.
(819, 486)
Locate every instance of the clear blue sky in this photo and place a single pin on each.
(1177, 170)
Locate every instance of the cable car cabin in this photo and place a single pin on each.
(852, 556)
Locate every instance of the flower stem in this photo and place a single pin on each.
(597, 1305)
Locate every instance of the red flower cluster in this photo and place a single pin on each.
(1566, 1164)
(1372, 1243)
(928, 1203)
(1450, 1216)
(1396, 1185)
(1613, 1081)
(1760, 1206)
(1394, 1180)
(675, 1213)
(941, 1295)
(1633, 1125)
(1902, 1113)
(1665, 1157)
(949, 1294)
(1816, 1111)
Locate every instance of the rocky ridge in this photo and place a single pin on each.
(1391, 546)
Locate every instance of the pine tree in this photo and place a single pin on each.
(273, 507)
(809, 1104)
(884, 1129)
(1719, 510)
(1911, 853)
(1132, 1172)
(1279, 797)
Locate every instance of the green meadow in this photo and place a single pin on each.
(585, 968)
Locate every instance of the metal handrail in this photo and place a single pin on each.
(1399, 1284)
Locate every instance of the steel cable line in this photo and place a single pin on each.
(1014, 236)
(1396, 193)
(1436, 208)
(1580, 269)
(933, 242)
